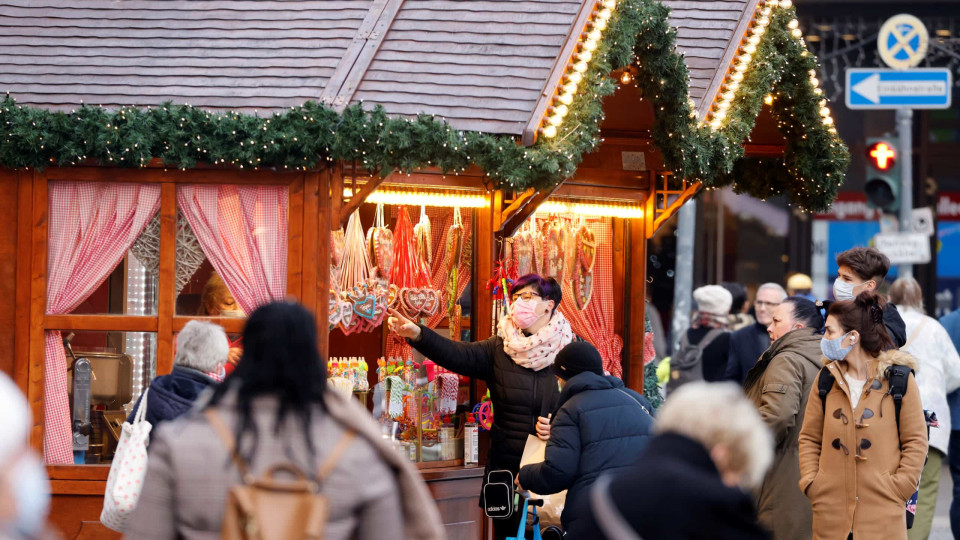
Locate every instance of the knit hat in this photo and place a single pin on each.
(713, 299)
(576, 358)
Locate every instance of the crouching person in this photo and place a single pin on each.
(598, 426)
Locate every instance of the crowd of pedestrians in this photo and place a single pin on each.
(799, 419)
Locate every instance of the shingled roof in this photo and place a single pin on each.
(481, 65)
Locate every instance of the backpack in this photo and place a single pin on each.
(898, 376)
(687, 364)
(271, 508)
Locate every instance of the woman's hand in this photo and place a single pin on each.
(402, 326)
(543, 427)
(234, 355)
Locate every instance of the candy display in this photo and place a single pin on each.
(352, 369)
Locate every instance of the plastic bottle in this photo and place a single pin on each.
(471, 443)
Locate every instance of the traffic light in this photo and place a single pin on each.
(883, 173)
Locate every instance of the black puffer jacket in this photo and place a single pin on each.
(519, 395)
(171, 396)
(599, 427)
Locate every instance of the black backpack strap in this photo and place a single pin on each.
(825, 382)
(898, 376)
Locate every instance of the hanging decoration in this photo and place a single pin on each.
(523, 249)
(365, 296)
(424, 237)
(189, 255)
(380, 244)
(410, 275)
(336, 309)
(586, 254)
(536, 238)
(554, 256)
(454, 245)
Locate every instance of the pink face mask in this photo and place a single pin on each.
(523, 313)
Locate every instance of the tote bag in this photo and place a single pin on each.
(127, 471)
(533, 452)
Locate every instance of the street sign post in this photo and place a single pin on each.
(902, 41)
(904, 248)
(918, 88)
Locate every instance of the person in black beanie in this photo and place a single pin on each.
(598, 426)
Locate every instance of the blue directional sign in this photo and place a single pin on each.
(918, 88)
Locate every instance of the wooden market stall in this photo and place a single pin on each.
(604, 116)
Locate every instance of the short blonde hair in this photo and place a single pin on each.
(906, 292)
(718, 413)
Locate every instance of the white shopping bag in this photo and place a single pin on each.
(533, 452)
(127, 471)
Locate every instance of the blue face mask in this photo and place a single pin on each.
(833, 349)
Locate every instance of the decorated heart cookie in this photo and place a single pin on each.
(523, 248)
(586, 248)
(553, 259)
(432, 303)
(334, 314)
(568, 239)
(583, 289)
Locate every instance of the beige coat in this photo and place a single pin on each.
(850, 493)
(779, 385)
(373, 492)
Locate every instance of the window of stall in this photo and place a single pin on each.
(122, 264)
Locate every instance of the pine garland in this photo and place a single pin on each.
(312, 135)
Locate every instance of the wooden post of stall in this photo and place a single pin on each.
(635, 322)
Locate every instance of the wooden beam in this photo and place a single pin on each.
(231, 325)
(517, 203)
(309, 265)
(638, 288)
(295, 239)
(21, 339)
(483, 253)
(620, 253)
(674, 207)
(510, 225)
(358, 198)
(38, 306)
(330, 181)
(101, 323)
(173, 175)
(167, 290)
(334, 186)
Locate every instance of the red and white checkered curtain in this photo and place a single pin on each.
(91, 227)
(243, 232)
(595, 323)
(440, 221)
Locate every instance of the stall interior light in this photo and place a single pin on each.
(617, 210)
(449, 199)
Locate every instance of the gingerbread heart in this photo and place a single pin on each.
(413, 300)
(553, 260)
(583, 288)
(383, 248)
(432, 303)
(568, 239)
(349, 322)
(364, 303)
(586, 248)
(334, 314)
(523, 248)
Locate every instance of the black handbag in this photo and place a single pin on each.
(498, 495)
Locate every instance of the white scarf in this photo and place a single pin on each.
(538, 350)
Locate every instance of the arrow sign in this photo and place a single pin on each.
(928, 88)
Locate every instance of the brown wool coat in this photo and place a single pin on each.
(779, 385)
(850, 494)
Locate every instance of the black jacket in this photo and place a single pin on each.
(674, 493)
(599, 427)
(519, 395)
(715, 355)
(172, 395)
(746, 346)
(895, 325)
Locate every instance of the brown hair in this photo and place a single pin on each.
(907, 292)
(868, 263)
(865, 315)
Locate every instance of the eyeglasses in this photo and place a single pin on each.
(761, 303)
(529, 295)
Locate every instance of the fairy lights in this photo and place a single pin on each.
(578, 64)
(617, 210)
(449, 199)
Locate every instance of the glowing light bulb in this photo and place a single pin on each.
(768, 99)
(589, 45)
(570, 88)
(594, 34)
(566, 99)
(555, 120)
(786, 4)
(793, 24)
(549, 132)
(600, 24)
(824, 112)
(575, 77)
(625, 78)
(797, 33)
(561, 110)
(604, 14)
(585, 56)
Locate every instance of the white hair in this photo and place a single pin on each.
(202, 346)
(719, 414)
(776, 287)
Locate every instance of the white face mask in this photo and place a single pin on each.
(236, 313)
(843, 290)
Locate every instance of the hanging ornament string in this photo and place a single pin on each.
(410, 274)
(424, 237)
(363, 297)
(380, 244)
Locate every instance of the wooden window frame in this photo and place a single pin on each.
(303, 252)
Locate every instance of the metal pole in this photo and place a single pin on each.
(905, 133)
(683, 276)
